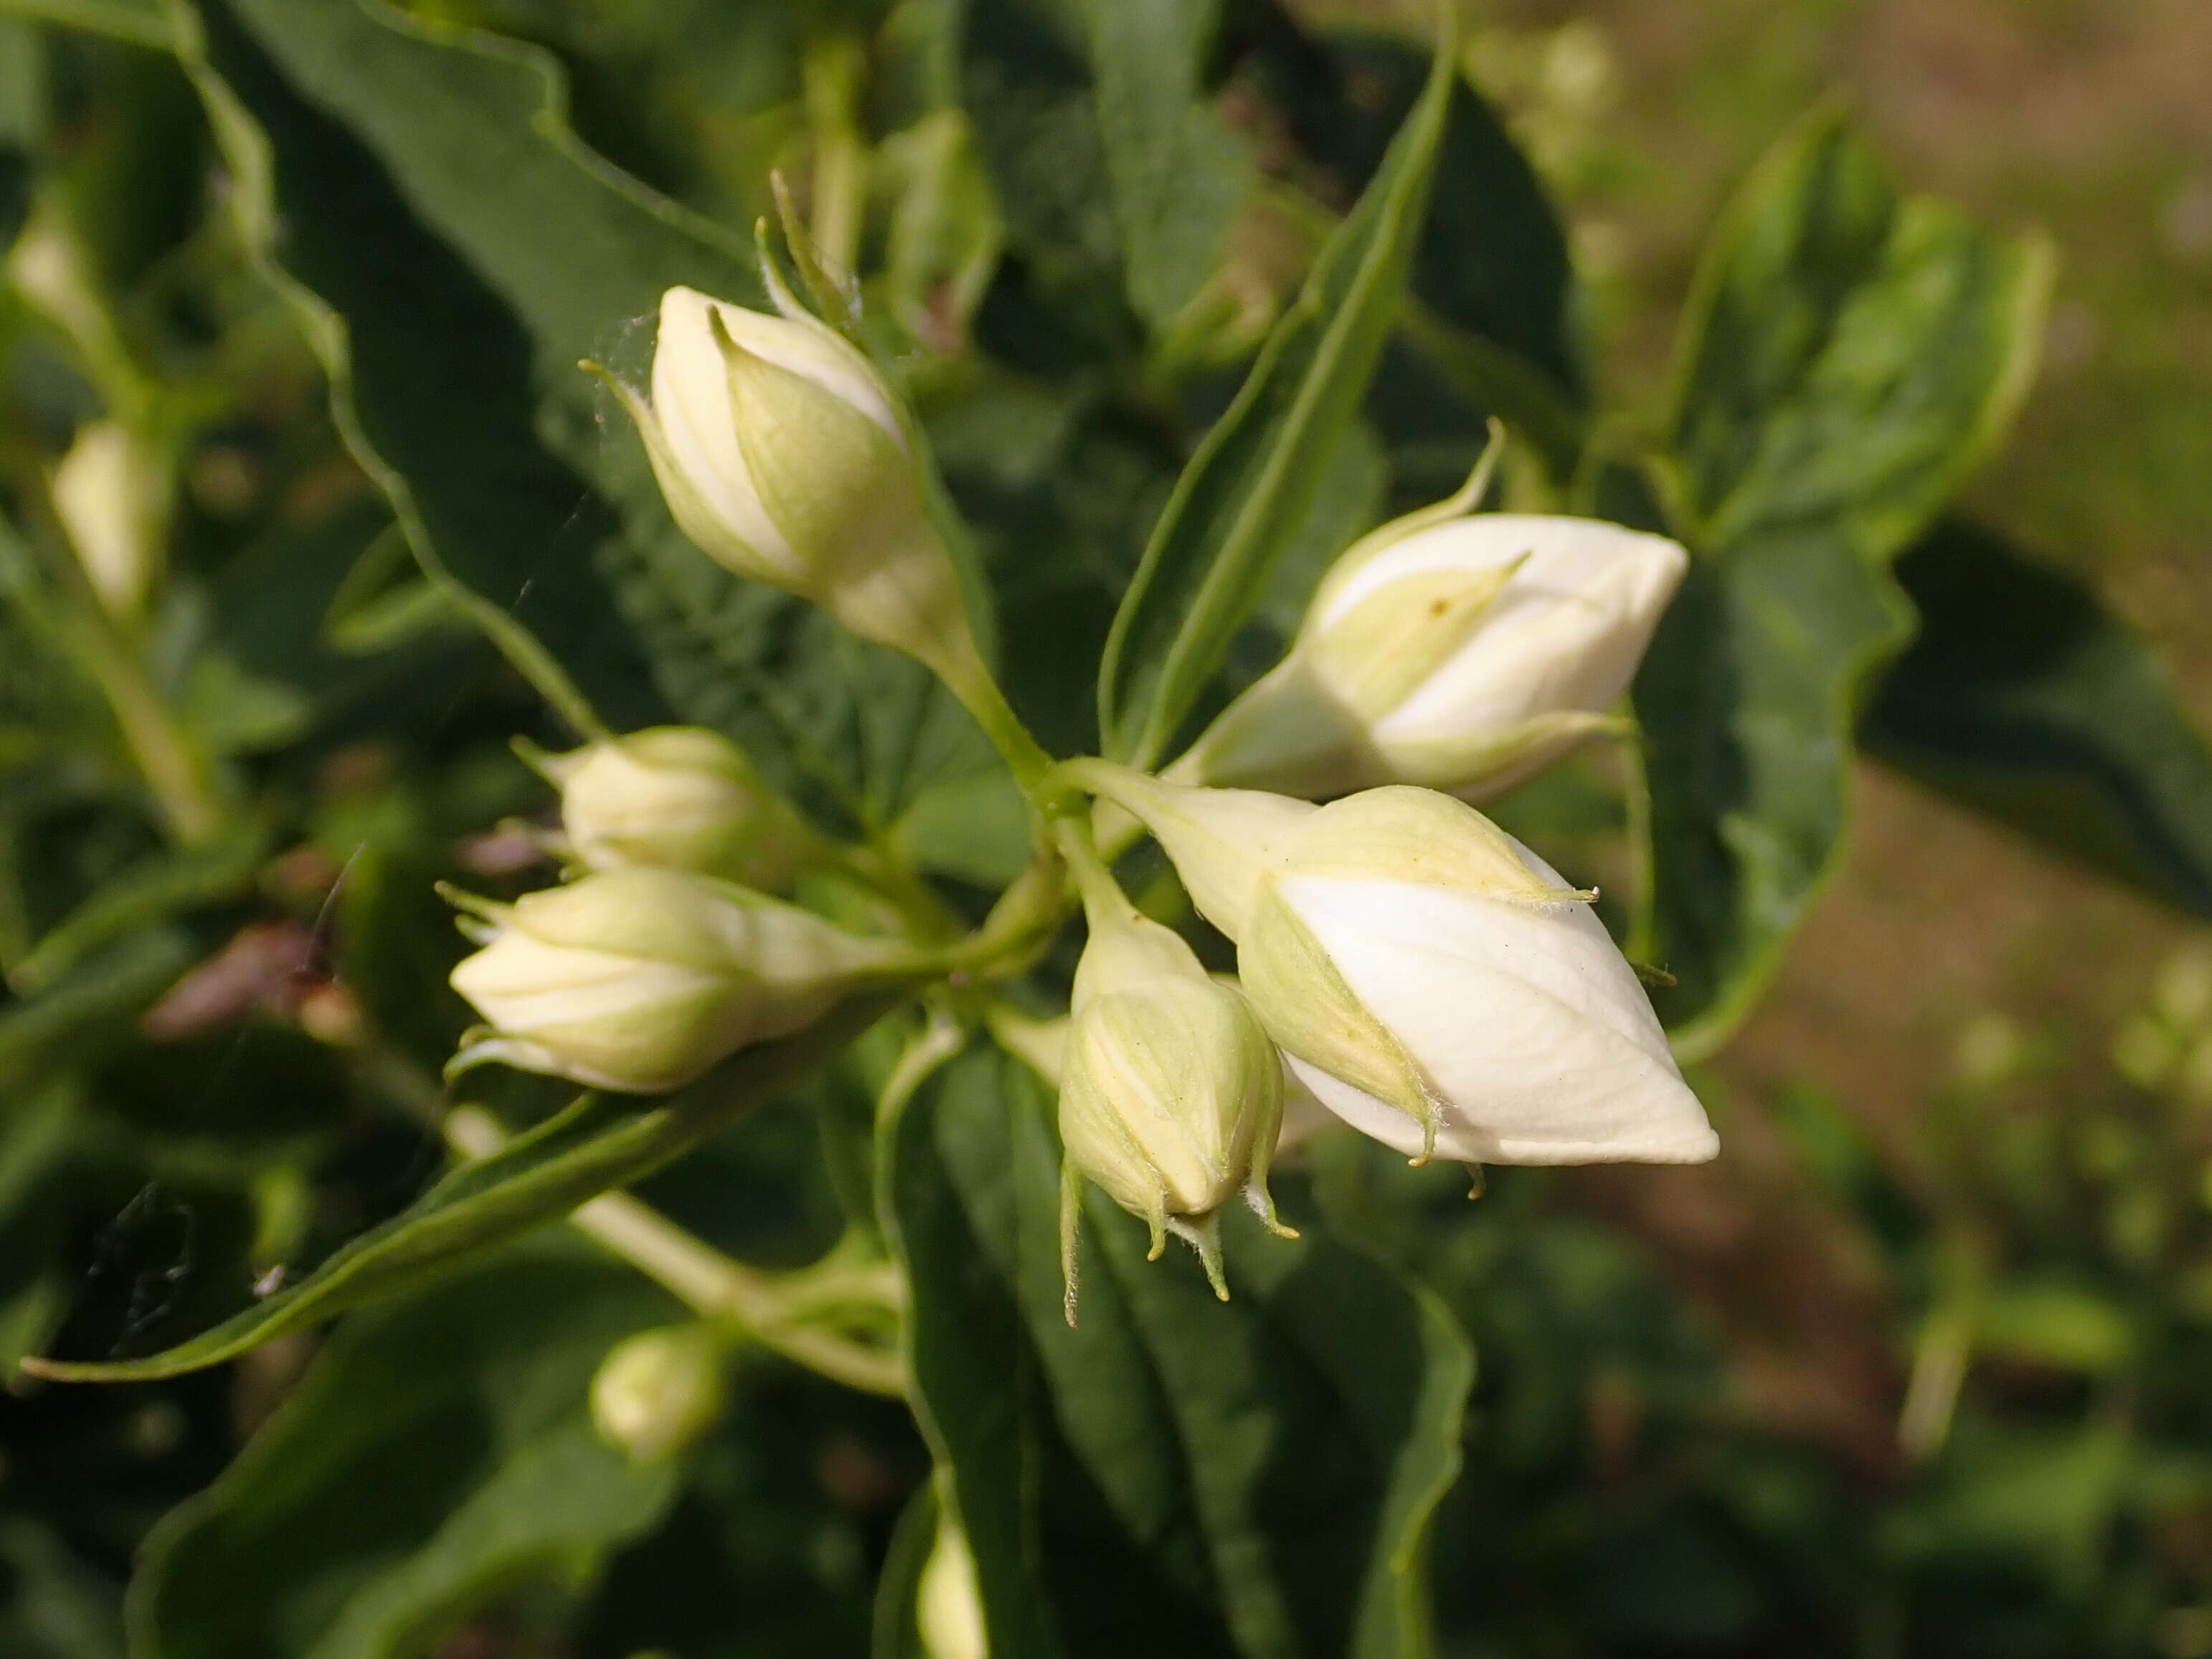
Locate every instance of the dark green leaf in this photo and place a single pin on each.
(1176, 175)
(454, 250)
(1247, 490)
(597, 1144)
(138, 897)
(2025, 698)
(104, 991)
(1025, 81)
(437, 1452)
(1175, 1475)
(51, 1605)
(1849, 354)
(1747, 698)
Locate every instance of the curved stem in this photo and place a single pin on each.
(761, 1306)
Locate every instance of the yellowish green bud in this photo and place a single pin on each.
(113, 497)
(639, 979)
(682, 798)
(948, 1604)
(657, 1393)
(1463, 655)
(1170, 1092)
(781, 454)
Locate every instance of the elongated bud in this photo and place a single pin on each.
(113, 495)
(1462, 655)
(1171, 1094)
(682, 798)
(780, 453)
(657, 1393)
(639, 979)
(1435, 984)
(948, 1605)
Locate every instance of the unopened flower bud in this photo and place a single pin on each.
(1462, 655)
(1434, 982)
(1170, 1092)
(639, 979)
(780, 453)
(113, 495)
(682, 798)
(948, 1605)
(658, 1392)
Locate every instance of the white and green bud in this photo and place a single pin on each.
(658, 1392)
(1464, 656)
(681, 797)
(1431, 980)
(113, 496)
(638, 979)
(948, 1606)
(1170, 1092)
(780, 453)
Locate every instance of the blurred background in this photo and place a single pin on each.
(1922, 1364)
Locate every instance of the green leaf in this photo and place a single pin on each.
(105, 990)
(597, 1144)
(1849, 354)
(437, 1452)
(1025, 82)
(1176, 175)
(2027, 699)
(453, 251)
(1247, 489)
(1175, 1475)
(148, 892)
(52, 1605)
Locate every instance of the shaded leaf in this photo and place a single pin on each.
(2027, 699)
(1245, 492)
(437, 1451)
(1849, 354)
(453, 251)
(1177, 176)
(596, 1144)
(1175, 1475)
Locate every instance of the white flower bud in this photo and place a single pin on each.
(1462, 655)
(948, 1604)
(1170, 1092)
(112, 497)
(1431, 980)
(682, 798)
(780, 453)
(658, 1392)
(639, 979)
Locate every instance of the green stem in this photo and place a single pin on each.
(961, 667)
(174, 768)
(772, 1309)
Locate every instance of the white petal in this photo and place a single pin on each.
(692, 400)
(1526, 1021)
(1566, 632)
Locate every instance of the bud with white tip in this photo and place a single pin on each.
(1431, 980)
(657, 1393)
(639, 979)
(1170, 1091)
(780, 453)
(1462, 655)
(681, 797)
(112, 494)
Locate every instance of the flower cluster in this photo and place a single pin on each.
(1401, 963)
